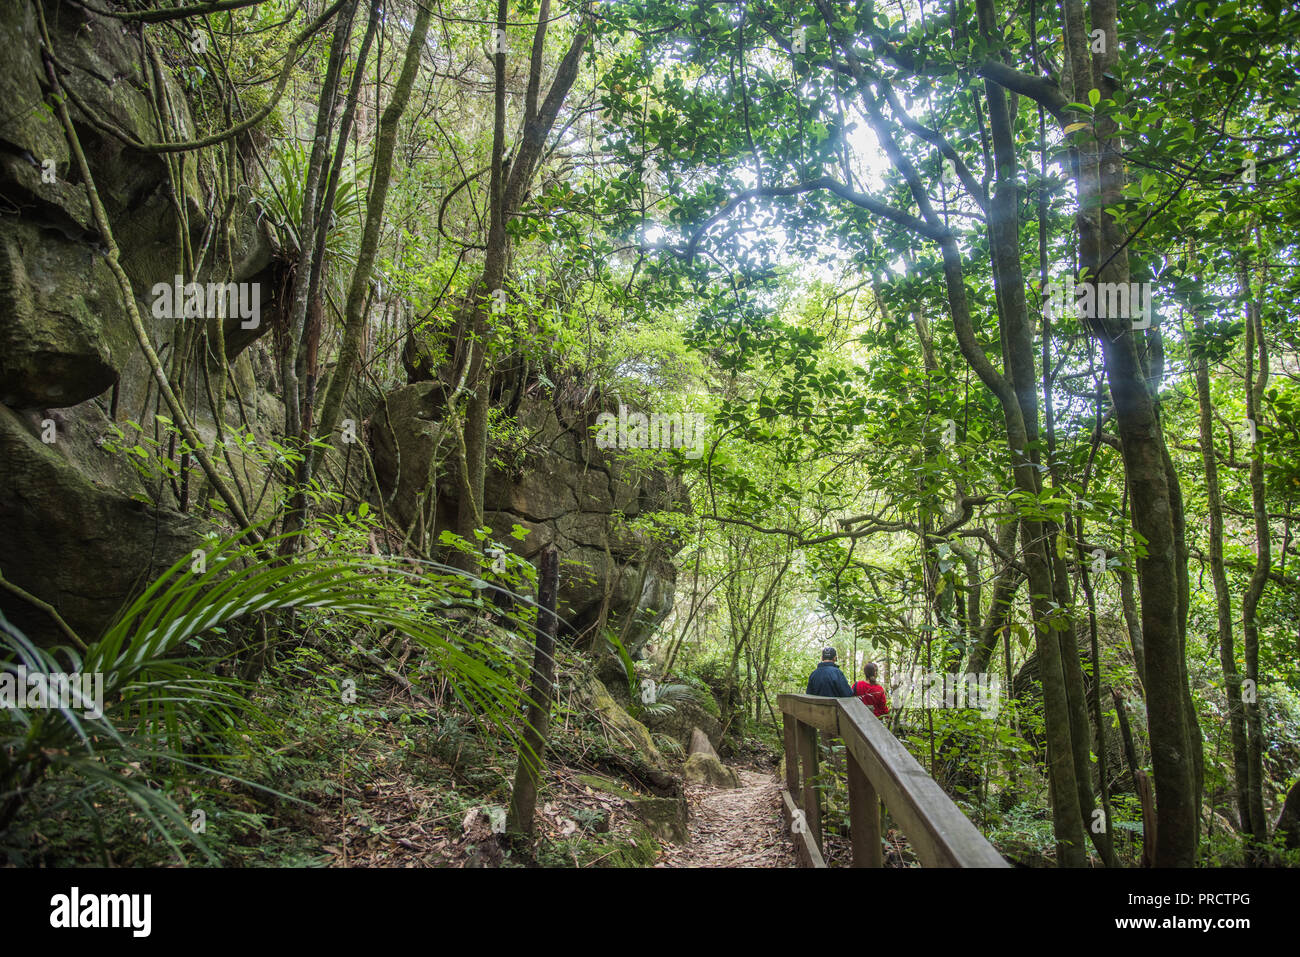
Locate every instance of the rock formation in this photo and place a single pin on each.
(558, 486)
(79, 527)
(82, 529)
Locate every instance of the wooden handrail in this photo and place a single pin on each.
(880, 770)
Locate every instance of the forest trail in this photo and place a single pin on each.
(734, 827)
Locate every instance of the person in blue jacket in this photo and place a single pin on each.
(827, 680)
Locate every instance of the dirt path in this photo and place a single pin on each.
(734, 827)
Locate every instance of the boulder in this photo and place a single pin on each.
(704, 768)
(83, 548)
(665, 817)
(627, 730)
(685, 717)
(700, 744)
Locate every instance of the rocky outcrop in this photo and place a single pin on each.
(78, 546)
(61, 339)
(628, 731)
(64, 333)
(78, 526)
(554, 483)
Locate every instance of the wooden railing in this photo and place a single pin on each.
(880, 770)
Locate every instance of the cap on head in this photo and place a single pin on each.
(828, 654)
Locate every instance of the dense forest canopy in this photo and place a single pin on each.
(502, 394)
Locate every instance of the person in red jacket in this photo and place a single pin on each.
(872, 694)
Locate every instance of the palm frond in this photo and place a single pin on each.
(157, 700)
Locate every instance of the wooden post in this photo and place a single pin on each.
(791, 757)
(807, 743)
(523, 797)
(864, 817)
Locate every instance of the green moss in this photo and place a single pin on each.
(706, 769)
(632, 846)
(636, 848)
(705, 698)
(597, 783)
(255, 98)
(628, 731)
(709, 703)
(665, 817)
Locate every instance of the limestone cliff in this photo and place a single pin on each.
(81, 528)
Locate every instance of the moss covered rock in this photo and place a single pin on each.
(665, 817)
(64, 336)
(635, 848)
(625, 729)
(704, 768)
(560, 487)
(685, 716)
(83, 548)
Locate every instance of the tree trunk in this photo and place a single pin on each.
(1062, 678)
(1155, 498)
(291, 357)
(1222, 596)
(528, 772)
(509, 182)
(1257, 823)
(354, 321)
